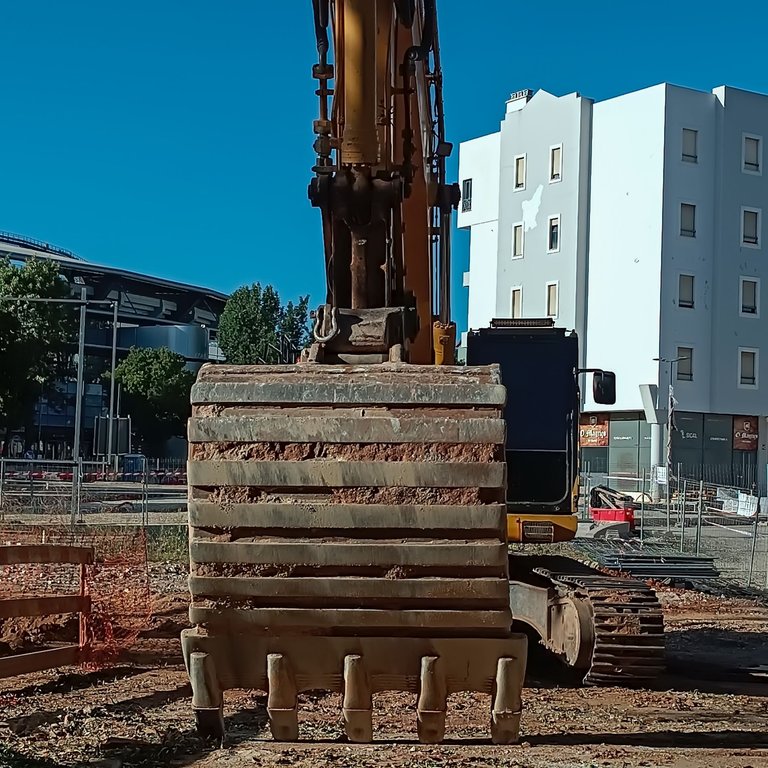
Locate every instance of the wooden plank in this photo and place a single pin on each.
(43, 606)
(298, 427)
(346, 392)
(23, 663)
(350, 587)
(244, 618)
(347, 474)
(437, 517)
(18, 554)
(448, 554)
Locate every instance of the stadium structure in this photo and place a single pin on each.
(152, 312)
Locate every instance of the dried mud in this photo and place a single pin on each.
(232, 495)
(273, 451)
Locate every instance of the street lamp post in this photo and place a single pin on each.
(670, 407)
(112, 383)
(76, 470)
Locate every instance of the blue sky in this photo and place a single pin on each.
(174, 136)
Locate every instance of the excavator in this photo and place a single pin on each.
(348, 514)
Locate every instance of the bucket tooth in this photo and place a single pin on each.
(433, 694)
(207, 699)
(281, 699)
(358, 704)
(507, 701)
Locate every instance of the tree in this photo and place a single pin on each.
(156, 386)
(256, 328)
(36, 338)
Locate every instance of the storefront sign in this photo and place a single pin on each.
(593, 430)
(745, 433)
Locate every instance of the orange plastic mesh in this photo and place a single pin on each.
(117, 582)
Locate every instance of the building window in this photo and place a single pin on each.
(520, 172)
(466, 195)
(750, 227)
(517, 241)
(749, 291)
(687, 220)
(752, 153)
(690, 149)
(517, 302)
(555, 163)
(685, 292)
(685, 363)
(552, 300)
(553, 234)
(748, 368)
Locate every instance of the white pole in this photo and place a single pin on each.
(78, 403)
(112, 384)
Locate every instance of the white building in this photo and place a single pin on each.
(638, 222)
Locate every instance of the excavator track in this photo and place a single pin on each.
(621, 625)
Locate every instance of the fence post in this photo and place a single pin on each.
(78, 470)
(2, 488)
(698, 516)
(145, 494)
(682, 502)
(642, 506)
(754, 545)
(83, 628)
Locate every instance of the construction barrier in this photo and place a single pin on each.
(70, 596)
(34, 606)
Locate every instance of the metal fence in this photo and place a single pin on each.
(76, 492)
(692, 516)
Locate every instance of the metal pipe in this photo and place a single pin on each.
(642, 507)
(683, 505)
(754, 546)
(112, 383)
(698, 517)
(359, 268)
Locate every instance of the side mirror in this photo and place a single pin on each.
(604, 387)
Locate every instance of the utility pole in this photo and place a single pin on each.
(112, 382)
(78, 402)
(670, 409)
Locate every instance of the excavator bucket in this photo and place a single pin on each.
(348, 534)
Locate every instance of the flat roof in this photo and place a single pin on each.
(24, 248)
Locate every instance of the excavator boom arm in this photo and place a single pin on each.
(380, 172)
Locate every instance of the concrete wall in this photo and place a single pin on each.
(479, 161)
(625, 234)
(739, 112)
(692, 183)
(545, 121)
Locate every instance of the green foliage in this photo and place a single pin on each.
(156, 386)
(168, 544)
(256, 328)
(35, 338)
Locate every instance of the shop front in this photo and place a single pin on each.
(716, 448)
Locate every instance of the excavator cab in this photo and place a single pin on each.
(540, 370)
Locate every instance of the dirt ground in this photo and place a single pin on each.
(709, 710)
